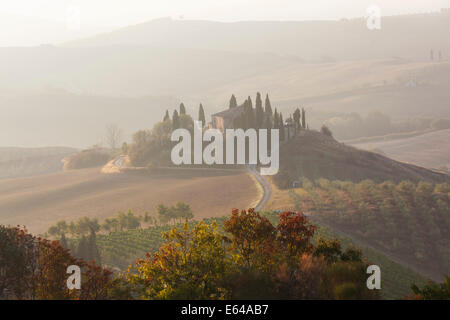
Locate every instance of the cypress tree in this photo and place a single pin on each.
(182, 109)
(250, 103)
(201, 115)
(236, 123)
(250, 114)
(233, 102)
(276, 120)
(93, 252)
(303, 119)
(82, 249)
(281, 126)
(166, 116)
(268, 126)
(175, 120)
(63, 241)
(268, 107)
(297, 116)
(268, 122)
(259, 111)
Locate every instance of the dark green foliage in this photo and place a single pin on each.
(166, 116)
(297, 117)
(88, 159)
(178, 212)
(326, 131)
(268, 123)
(182, 109)
(93, 253)
(249, 114)
(268, 106)
(281, 126)
(175, 120)
(63, 241)
(201, 115)
(259, 112)
(124, 148)
(233, 102)
(276, 120)
(433, 291)
(250, 103)
(83, 248)
(303, 118)
(329, 249)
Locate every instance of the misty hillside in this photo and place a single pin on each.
(66, 95)
(313, 155)
(128, 70)
(410, 36)
(25, 30)
(19, 162)
(429, 150)
(398, 87)
(61, 118)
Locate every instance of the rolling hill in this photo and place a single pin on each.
(132, 75)
(314, 155)
(406, 221)
(429, 150)
(78, 120)
(62, 117)
(39, 202)
(311, 40)
(397, 87)
(18, 162)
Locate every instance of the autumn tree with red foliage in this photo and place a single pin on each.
(294, 233)
(250, 259)
(34, 268)
(252, 238)
(282, 263)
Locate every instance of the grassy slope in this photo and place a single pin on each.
(314, 155)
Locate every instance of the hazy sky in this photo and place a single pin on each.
(65, 20)
(125, 12)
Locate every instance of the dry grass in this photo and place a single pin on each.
(281, 200)
(39, 202)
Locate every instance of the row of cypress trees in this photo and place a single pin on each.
(182, 111)
(265, 118)
(86, 248)
(253, 117)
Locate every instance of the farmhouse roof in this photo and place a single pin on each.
(230, 113)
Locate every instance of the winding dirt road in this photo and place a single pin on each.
(265, 185)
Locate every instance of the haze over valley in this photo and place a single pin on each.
(132, 141)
